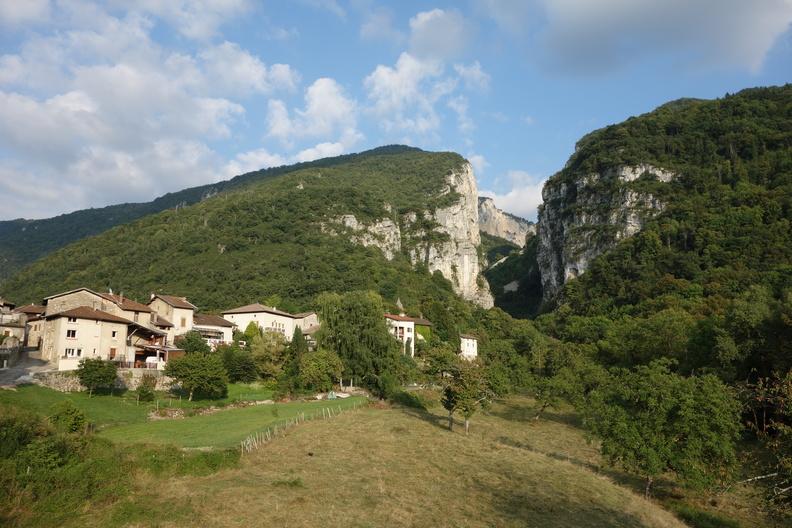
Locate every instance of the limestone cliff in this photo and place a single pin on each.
(444, 240)
(496, 222)
(584, 215)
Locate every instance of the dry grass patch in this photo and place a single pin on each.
(399, 467)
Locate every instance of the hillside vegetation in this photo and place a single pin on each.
(24, 241)
(709, 281)
(263, 240)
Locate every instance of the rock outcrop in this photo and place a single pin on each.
(444, 240)
(496, 222)
(584, 216)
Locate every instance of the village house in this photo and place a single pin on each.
(468, 346)
(214, 329)
(84, 323)
(408, 330)
(270, 319)
(12, 324)
(174, 314)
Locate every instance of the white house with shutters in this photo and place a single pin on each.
(468, 346)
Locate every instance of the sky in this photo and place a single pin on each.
(123, 101)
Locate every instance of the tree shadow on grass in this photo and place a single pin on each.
(516, 412)
(661, 489)
(428, 417)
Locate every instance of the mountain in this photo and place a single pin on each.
(397, 220)
(23, 241)
(670, 235)
(501, 224)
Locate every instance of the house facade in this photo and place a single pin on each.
(270, 319)
(69, 336)
(408, 330)
(214, 329)
(468, 346)
(175, 314)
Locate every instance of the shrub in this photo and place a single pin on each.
(95, 373)
(145, 390)
(18, 427)
(319, 369)
(67, 417)
(202, 374)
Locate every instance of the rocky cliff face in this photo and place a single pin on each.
(444, 240)
(584, 216)
(498, 223)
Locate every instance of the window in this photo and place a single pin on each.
(409, 330)
(183, 322)
(7, 333)
(115, 334)
(73, 352)
(71, 334)
(112, 352)
(72, 319)
(137, 316)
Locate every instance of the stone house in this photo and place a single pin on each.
(468, 346)
(174, 314)
(214, 329)
(408, 330)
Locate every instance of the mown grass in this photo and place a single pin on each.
(121, 407)
(225, 428)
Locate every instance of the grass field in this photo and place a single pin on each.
(385, 466)
(402, 467)
(221, 429)
(122, 408)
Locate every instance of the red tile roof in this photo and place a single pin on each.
(158, 320)
(177, 302)
(125, 303)
(84, 312)
(211, 320)
(31, 309)
(407, 319)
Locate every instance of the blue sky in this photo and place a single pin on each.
(117, 101)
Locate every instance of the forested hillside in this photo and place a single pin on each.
(265, 240)
(708, 281)
(23, 241)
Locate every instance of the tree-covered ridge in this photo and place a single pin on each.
(263, 240)
(23, 241)
(708, 281)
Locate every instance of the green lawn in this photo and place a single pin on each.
(104, 411)
(220, 429)
(122, 419)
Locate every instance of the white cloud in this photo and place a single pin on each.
(528, 120)
(322, 150)
(378, 25)
(100, 113)
(230, 69)
(582, 36)
(479, 163)
(473, 75)
(459, 104)
(403, 97)
(328, 113)
(18, 12)
(331, 6)
(523, 198)
(439, 34)
(511, 15)
(253, 160)
(196, 19)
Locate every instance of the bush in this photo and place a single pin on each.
(18, 427)
(201, 374)
(318, 370)
(239, 364)
(145, 390)
(68, 418)
(95, 373)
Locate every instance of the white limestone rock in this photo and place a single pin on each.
(578, 221)
(496, 222)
